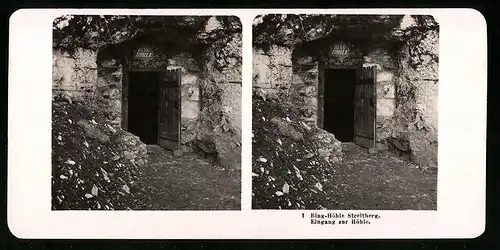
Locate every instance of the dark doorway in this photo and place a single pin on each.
(143, 105)
(339, 89)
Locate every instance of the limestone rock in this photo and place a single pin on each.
(133, 149)
(328, 146)
(93, 131)
(212, 25)
(287, 129)
(228, 151)
(280, 55)
(416, 119)
(216, 28)
(424, 149)
(112, 93)
(218, 129)
(128, 155)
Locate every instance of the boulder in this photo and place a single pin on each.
(228, 150)
(287, 129)
(328, 147)
(132, 148)
(93, 131)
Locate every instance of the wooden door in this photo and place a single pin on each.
(125, 87)
(365, 106)
(321, 95)
(169, 111)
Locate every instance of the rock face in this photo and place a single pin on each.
(219, 127)
(272, 70)
(74, 75)
(305, 85)
(417, 108)
(109, 83)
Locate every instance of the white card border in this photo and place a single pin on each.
(462, 163)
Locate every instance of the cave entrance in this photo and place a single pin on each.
(151, 106)
(347, 104)
(339, 103)
(143, 105)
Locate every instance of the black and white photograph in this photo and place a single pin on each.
(345, 112)
(247, 124)
(146, 112)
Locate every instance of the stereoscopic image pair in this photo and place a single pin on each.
(147, 112)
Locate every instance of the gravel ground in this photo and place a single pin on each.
(382, 181)
(190, 182)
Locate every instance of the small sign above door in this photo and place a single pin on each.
(144, 53)
(341, 55)
(340, 50)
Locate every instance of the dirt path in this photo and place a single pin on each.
(189, 182)
(382, 181)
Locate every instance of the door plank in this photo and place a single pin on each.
(321, 95)
(125, 87)
(169, 110)
(365, 107)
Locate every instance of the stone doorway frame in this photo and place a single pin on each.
(127, 68)
(322, 67)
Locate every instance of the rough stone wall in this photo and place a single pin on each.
(109, 89)
(305, 85)
(74, 74)
(223, 68)
(272, 70)
(416, 120)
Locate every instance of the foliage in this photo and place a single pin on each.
(289, 30)
(90, 31)
(94, 31)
